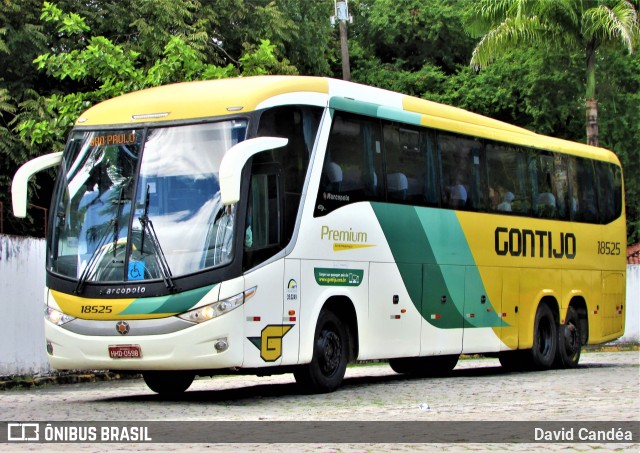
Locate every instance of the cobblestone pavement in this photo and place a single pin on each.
(606, 387)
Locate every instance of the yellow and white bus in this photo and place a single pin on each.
(294, 224)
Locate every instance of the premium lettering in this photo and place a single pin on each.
(535, 243)
(342, 235)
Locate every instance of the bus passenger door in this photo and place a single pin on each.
(265, 328)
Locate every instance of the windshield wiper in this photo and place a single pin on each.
(93, 260)
(158, 254)
(116, 222)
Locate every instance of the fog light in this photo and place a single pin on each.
(49, 348)
(221, 345)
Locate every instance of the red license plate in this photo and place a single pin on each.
(125, 351)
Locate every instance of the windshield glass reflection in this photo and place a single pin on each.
(172, 223)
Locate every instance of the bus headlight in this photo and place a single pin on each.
(207, 312)
(56, 317)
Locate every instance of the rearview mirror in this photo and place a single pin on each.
(234, 160)
(21, 180)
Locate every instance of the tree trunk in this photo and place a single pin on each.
(591, 103)
(344, 50)
(592, 122)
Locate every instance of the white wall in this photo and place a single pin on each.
(22, 280)
(632, 327)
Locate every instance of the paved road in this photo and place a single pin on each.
(606, 387)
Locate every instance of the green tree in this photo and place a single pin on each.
(410, 46)
(111, 70)
(77, 67)
(570, 24)
(412, 33)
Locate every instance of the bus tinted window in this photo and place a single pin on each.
(549, 185)
(410, 168)
(424, 167)
(352, 168)
(609, 191)
(299, 124)
(507, 174)
(462, 185)
(583, 205)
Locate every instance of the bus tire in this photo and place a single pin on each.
(168, 382)
(330, 356)
(425, 366)
(569, 341)
(545, 339)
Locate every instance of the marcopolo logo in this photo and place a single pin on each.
(124, 291)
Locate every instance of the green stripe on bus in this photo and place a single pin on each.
(350, 105)
(374, 110)
(171, 304)
(402, 116)
(433, 238)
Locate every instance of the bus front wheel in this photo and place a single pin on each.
(330, 355)
(168, 382)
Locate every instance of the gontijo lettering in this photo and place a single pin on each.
(516, 242)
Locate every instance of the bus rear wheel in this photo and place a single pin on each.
(545, 339)
(569, 341)
(543, 353)
(330, 356)
(425, 366)
(168, 383)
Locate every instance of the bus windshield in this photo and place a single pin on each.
(143, 204)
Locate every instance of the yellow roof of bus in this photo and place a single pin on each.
(211, 98)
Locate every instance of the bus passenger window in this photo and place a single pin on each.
(583, 205)
(462, 179)
(352, 168)
(405, 162)
(541, 170)
(507, 174)
(609, 191)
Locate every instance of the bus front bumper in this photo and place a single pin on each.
(192, 348)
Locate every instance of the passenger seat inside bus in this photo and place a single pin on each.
(333, 172)
(397, 185)
(546, 205)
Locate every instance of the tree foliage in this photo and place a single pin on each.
(560, 24)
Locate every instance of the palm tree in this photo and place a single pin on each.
(586, 25)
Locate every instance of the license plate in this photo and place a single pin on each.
(125, 351)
